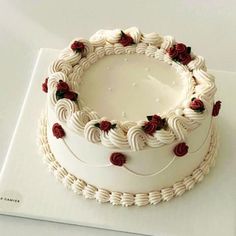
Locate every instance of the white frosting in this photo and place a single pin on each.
(135, 33)
(98, 39)
(64, 109)
(152, 38)
(125, 84)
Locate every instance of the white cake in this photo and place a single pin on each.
(130, 117)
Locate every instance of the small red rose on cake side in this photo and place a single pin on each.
(45, 85)
(216, 108)
(181, 149)
(125, 39)
(117, 159)
(197, 105)
(58, 131)
(77, 46)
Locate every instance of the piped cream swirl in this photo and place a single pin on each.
(136, 138)
(65, 108)
(78, 121)
(91, 132)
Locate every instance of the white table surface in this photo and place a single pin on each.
(26, 25)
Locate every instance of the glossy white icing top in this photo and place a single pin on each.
(130, 87)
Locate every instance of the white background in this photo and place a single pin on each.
(25, 26)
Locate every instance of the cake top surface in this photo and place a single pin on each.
(128, 89)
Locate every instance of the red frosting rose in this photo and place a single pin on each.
(216, 108)
(105, 125)
(197, 105)
(184, 58)
(62, 86)
(58, 131)
(45, 85)
(180, 47)
(117, 159)
(173, 52)
(71, 95)
(159, 121)
(181, 149)
(150, 127)
(125, 39)
(77, 46)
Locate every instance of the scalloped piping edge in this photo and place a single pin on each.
(80, 187)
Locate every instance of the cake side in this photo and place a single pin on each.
(80, 187)
(143, 171)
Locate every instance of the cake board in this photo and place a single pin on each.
(27, 189)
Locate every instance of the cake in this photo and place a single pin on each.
(129, 118)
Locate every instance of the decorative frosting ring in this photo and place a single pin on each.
(64, 109)
(71, 65)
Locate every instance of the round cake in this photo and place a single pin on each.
(130, 117)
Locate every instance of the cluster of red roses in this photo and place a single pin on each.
(63, 91)
(181, 53)
(154, 123)
(198, 106)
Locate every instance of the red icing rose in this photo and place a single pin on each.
(105, 125)
(156, 118)
(216, 108)
(181, 48)
(71, 95)
(184, 58)
(45, 85)
(77, 46)
(150, 127)
(117, 159)
(125, 39)
(62, 86)
(172, 52)
(197, 105)
(181, 149)
(58, 131)
(159, 121)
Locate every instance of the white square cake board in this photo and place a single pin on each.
(27, 189)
